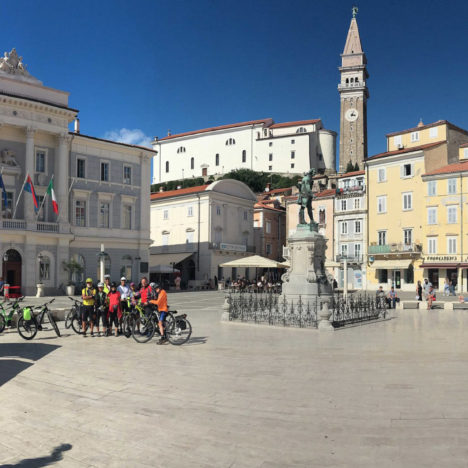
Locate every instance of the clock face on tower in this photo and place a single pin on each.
(351, 115)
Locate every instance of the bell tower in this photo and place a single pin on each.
(353, 100)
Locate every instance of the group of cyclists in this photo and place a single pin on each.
(103, 307)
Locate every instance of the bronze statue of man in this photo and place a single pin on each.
(305, 196)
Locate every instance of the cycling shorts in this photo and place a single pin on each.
(87, 313)
(162, 316)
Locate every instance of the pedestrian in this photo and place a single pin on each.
(177, 283)
(101, 310)
(87, 294)
(380, 297)
(114, 313)
(392, 298)
(419, 291)
(426, 287)
(124, 291)
(335, 284)
(447, 287)
(431, 297)
(161, 304)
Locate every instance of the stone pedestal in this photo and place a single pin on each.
(307, 277)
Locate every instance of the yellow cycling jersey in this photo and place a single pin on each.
(88, 292)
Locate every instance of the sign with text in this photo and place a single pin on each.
(441, 258)
(233, 247)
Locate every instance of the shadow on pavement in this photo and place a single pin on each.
(197, 340)
(55, 456)
(11, 366)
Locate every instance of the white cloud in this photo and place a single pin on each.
(132, 137)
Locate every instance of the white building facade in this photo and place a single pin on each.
(259, 145)
(196, 229)
(102, 188)
(350, 218)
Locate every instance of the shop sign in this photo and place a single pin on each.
(441, 258)
(233, 247)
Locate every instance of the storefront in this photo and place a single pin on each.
(397, 273)
(437, 271)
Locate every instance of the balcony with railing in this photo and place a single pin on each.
(394, 248)
(350, 258)
(22, 225)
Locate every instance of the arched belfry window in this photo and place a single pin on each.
(301, 130)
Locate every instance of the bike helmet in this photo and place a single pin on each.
(156, 285)
(123, 278)
(100, 285)
(114, 285)
(106, 276)
(132, 284)
(153, 285)
(89, 280)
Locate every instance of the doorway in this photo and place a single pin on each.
(397, 279)
(12, 268)
(452, 275)
(433, 275)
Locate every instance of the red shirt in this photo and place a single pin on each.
(144, 294)
(114, 300)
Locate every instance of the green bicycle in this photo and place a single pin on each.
(7, 312)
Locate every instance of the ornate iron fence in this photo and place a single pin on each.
(272, 309)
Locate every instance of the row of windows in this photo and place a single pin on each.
(350, 227)
(192, 161)
(350, 250)
(407, 237)
(451, 187)
(218, 213)
(349, 204)
(292, 143)
(406, 171)
(81, 218)
(415, 136)
(406, 200)
(452, 215)
(104, 171)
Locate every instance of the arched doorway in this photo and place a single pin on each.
(12, 267)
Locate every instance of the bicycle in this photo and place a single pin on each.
(73, 318)
(29, 323)
(7, 317)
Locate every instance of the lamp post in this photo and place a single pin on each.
(40, 286)
(102, 255)
(137, 260)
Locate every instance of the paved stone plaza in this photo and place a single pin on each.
(392, 393)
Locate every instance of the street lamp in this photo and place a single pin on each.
(102, 256)
(41, 272)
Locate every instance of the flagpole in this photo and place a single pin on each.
(44, 199)
(19, 198)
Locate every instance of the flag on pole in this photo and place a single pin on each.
(4, 194)
(51, 193)
(29, 187)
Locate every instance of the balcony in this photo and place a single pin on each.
(394, 248)
(358, 258)
(22, 225)
(359, 84)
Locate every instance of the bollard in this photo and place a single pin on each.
(325, 314)
(225, 315)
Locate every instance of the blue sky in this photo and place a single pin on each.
(149, 66)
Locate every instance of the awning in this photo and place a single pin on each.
(391, 264)
(163, 269)
(254, 261)
(167, 259)
(440, 265)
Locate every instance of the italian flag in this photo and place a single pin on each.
(51, 192)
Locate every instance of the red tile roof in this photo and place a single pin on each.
(325, 193)
(407, 150)
(261, 206)
(266, 122)
(278, 190)
(176, 193)
(455, 167)
(295, 124)
(464, 145)
(351, 174)
(422, 127)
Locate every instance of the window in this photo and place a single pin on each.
(126, 267)
(344, 227)
(40, 161)
(432, 245)
(189, 237)
(293, 154)
(433, 132)
(292, 166)
(104, 215)
(166, 214)
(322, 216)
(270, 143)
(127, 217)
(190, 211)
(192, 163)
(218, 236)
(127, 175)
(451, 245)
(293, 142)
(357, 203)
(268, 249)
(451, 214)
(244, 156)
(44, 268)
(382, 237)
(452, 186)
(408, 236)
(268, 227)
(407, 170)
(167, 166)
(230, 141)
(301, 130)
(181, 149)
(382, 204)
(414, 136)
(357, 227)
(80, 213)
(432, 188)
(382, 174)
(80, 168)
(465, 153)
(357, 251)
(7, 210)
(270, 168)
(165, 238)
(246, 216)
(432, 215)
(407, 201)
(270, 157)
(218, 210)
(41, 213)
(344, 250)
(343, 205)
(397, 140)
(217, 159)
(105, 171)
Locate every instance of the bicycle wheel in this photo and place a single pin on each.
(69, 318)
(178, 330)
(2, 323)
(27, 328)
(146, 326)
(53, 323)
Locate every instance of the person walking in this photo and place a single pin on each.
(101, 310)
(87, 294)
(419, 291)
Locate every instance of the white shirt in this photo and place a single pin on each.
(124, 292)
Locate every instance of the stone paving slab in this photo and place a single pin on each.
(387, 394)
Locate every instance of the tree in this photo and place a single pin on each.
(350, 167)
(356, 167)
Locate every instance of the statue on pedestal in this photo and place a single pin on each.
(304, 199)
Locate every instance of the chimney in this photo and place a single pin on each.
(169, 133)
(161, 189)
(179, 187)
(420, 124)
(77, 125)
(268, 187)
(156, 138)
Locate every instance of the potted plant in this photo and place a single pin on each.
(72, 267)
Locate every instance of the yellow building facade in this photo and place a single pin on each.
(397, 201)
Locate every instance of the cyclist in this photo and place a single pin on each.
(114, 308)
(87, 294)
(101, 310)
(146, 294)
(107, 286)
(124, 291)
(161, 303)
